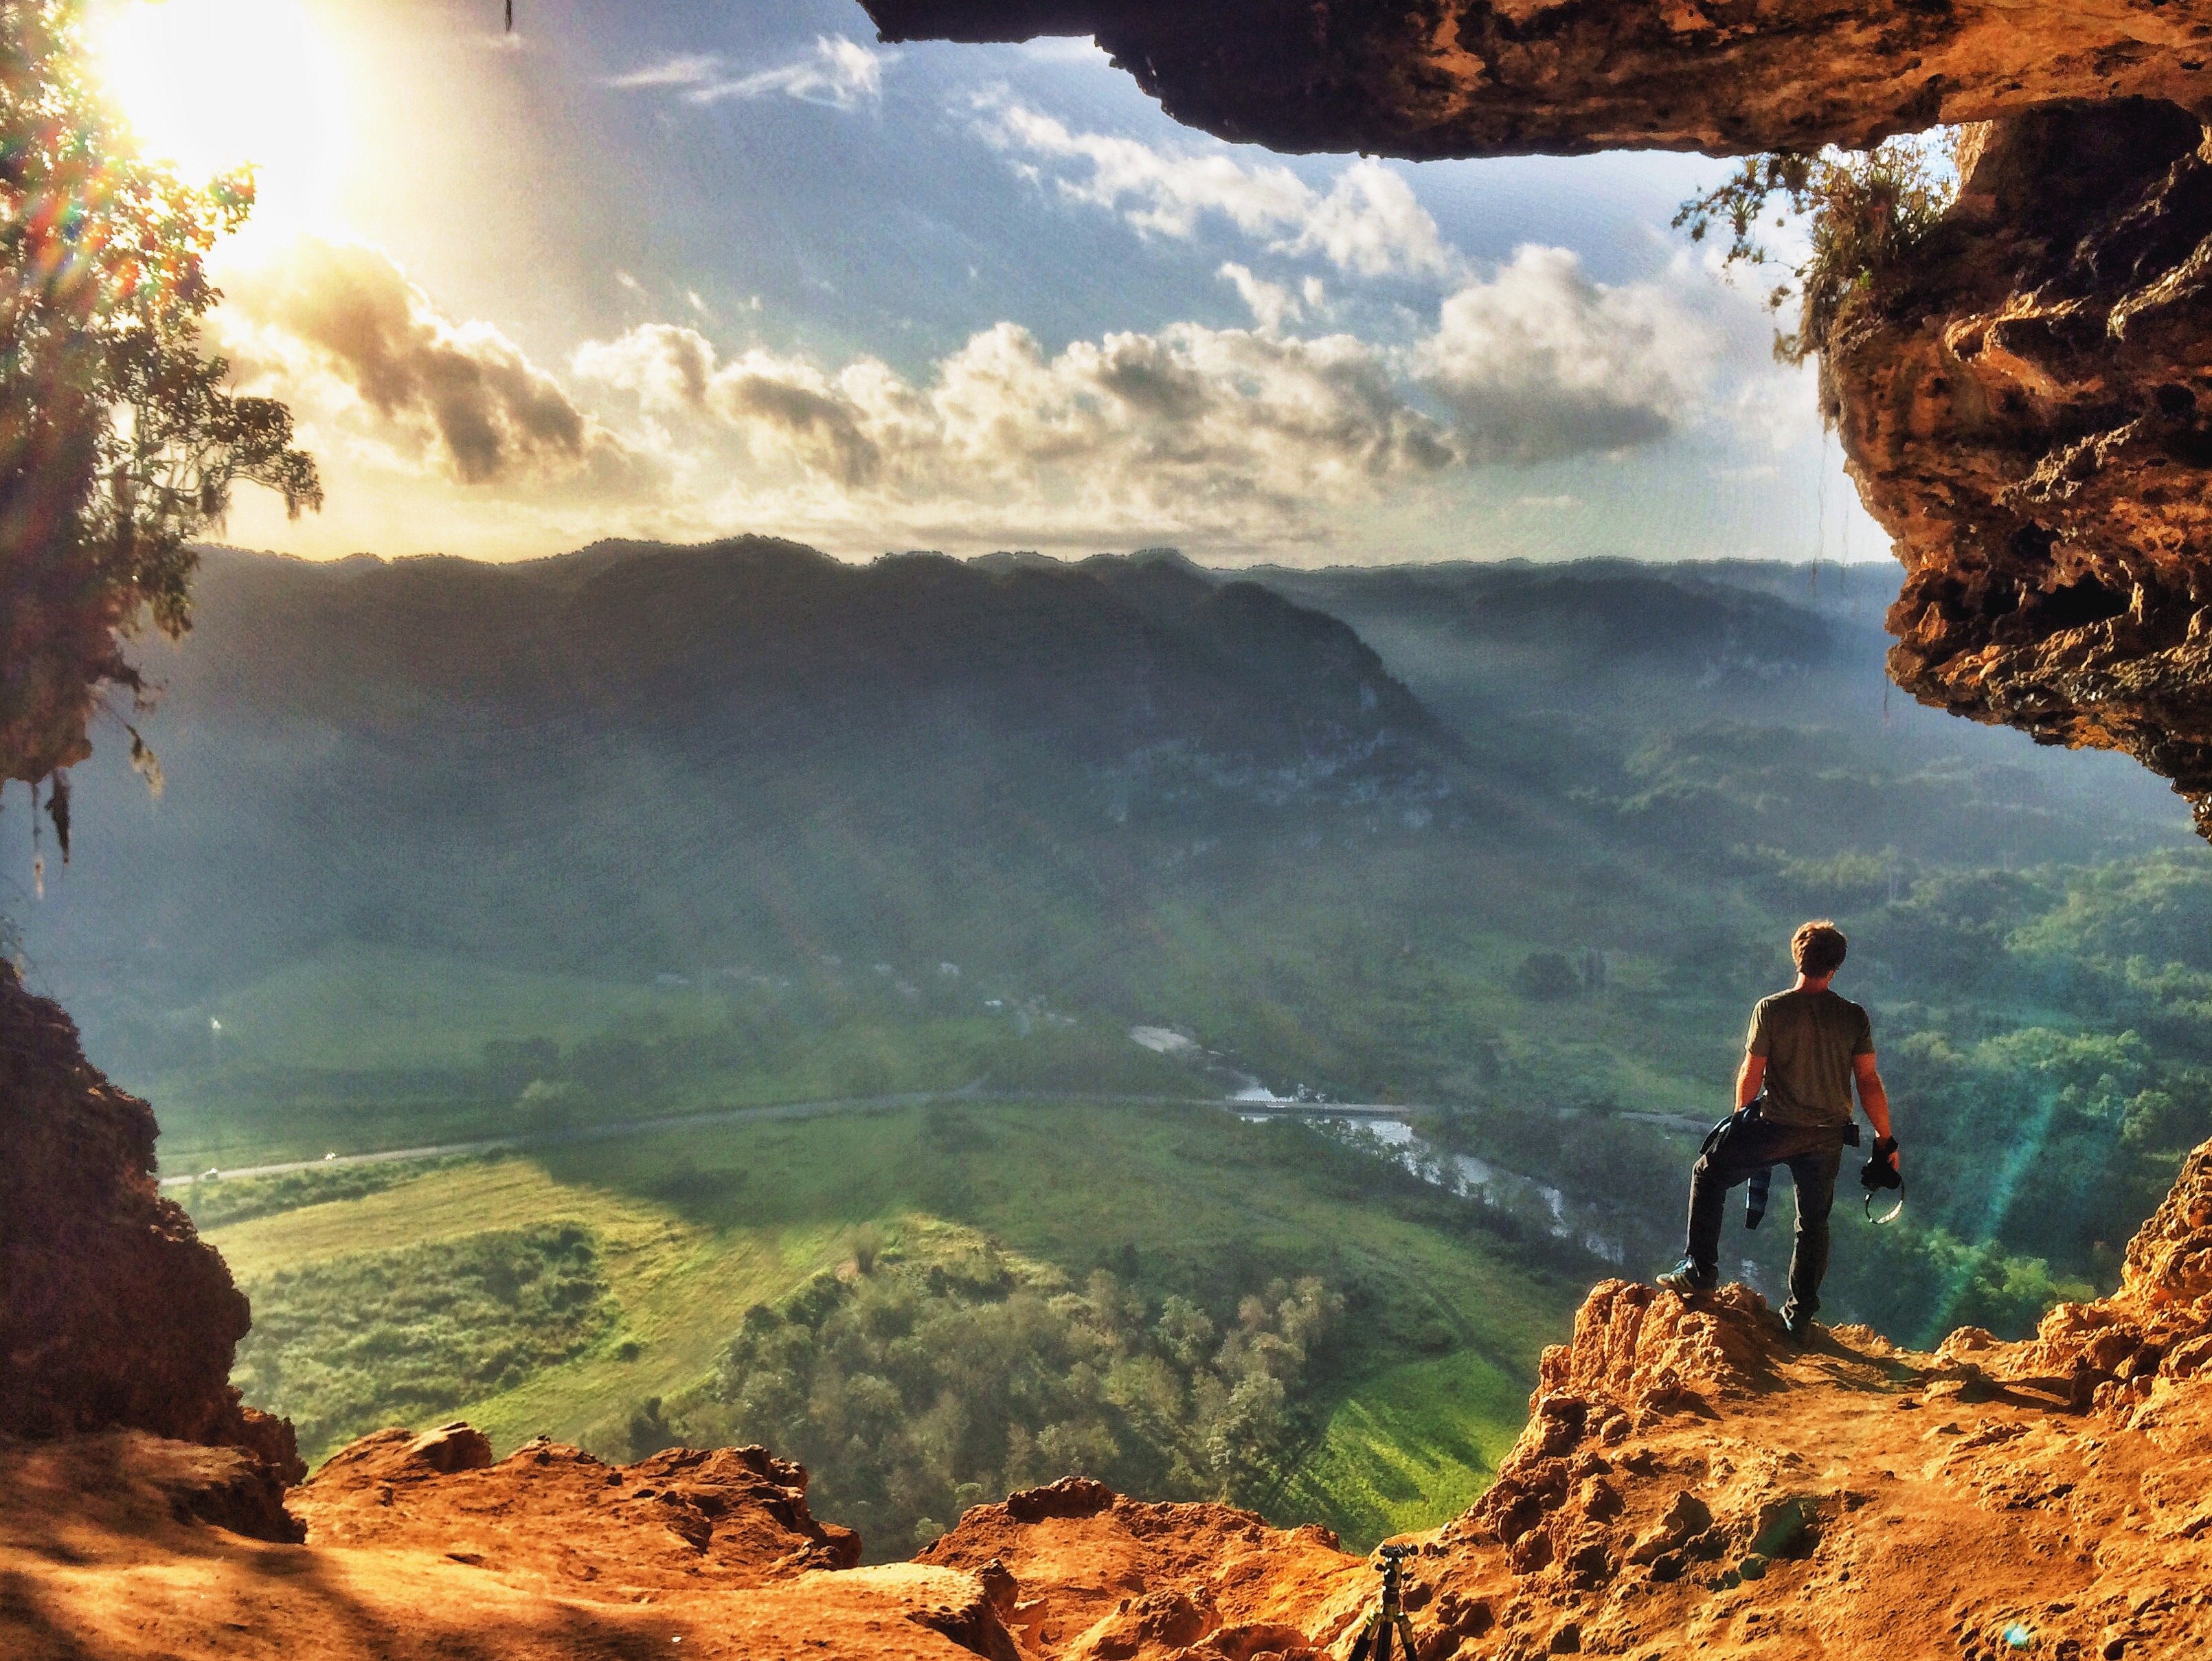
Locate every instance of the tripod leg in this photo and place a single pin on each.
(1365, 1642)
(1405, 1638)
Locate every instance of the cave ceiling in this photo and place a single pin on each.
(1425, 79)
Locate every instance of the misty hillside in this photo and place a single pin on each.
(401, 796)
(1710, 706)
(450, 850)
(774, 647)
(637, 757)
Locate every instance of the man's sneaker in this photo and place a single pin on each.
(1686, 1281)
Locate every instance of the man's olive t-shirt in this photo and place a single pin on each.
(1808, 1039)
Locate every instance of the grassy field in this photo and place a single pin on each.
(1425, 1391)
(365, 1048)
(1409, 1448)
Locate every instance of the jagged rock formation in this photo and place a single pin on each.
(2028, 412)
(112, 1313)
(1426, 78)
(1689, 1482)
(421, 1547)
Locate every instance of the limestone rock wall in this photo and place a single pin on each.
(2029, 415)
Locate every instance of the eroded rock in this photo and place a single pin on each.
(2028, 413)
(549, 1511)
(113, 1314)
(1426, 78)
(1108, 1579)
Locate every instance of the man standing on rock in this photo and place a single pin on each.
(1793, 1095)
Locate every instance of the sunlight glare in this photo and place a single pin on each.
(211, 84)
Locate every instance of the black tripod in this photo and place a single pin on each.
(1373, 1643)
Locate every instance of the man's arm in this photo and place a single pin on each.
(1874, 1097)
(1749, 1077)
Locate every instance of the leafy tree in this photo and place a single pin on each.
(117, 442)
(1546, 977)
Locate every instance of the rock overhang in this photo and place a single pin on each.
(1429, 79)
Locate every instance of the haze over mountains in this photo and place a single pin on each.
(636, 760)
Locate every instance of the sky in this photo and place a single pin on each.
(681, 269)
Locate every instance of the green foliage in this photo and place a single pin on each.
(913, 1391)
(407, 1335)
(2158, 909)
(118, 441)
(1546, 977)
(1917, 1284)
(1192, 1212)
(1409, 1448)
(1866, 211)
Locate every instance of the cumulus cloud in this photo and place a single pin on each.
(1272, 305)
(1256, 432)
(1189, 426)
(839, 72)
(339, 324)
(1369, 222)
(1540, 361)
(1256, 437)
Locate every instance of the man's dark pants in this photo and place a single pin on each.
(1815, 1154)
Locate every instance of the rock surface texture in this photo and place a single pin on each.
(1689, 1483)
(2028, 412)
(1427, 78)
(112, 1313)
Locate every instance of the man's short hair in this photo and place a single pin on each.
(1818, 949)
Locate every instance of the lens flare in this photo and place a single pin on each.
(208, 85)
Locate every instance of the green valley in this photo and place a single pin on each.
(1185, 1208)
(1027, 865)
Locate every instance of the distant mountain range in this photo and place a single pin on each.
(635, 757)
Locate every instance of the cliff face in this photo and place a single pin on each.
(1427, 78)
(2030, 418)
(112, 1313)
(1689, 1482)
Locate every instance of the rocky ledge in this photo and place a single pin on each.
(1689, 1481)
(115, 1315)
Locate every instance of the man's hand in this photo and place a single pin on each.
(1874, 1097)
